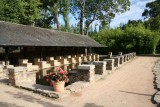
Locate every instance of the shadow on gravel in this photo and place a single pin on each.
(6, 104)
(92, 105)
(152, 96)
(136, 93)
(31, 99)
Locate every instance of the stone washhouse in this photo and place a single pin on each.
(28, 53)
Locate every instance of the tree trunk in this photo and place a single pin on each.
(55, 15)
(65, 18)
(81, 23)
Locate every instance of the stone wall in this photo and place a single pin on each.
(109, 64)
(100, 67)
(86, 73)
(18, 75)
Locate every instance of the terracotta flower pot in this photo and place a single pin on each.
(58, 86)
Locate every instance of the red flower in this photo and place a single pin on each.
(58, 75)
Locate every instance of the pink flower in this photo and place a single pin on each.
(61, 71)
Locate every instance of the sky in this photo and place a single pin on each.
(135, 13)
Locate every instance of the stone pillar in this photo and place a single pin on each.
(3, 63)
(44, 64)
(59, 57)
(97, 57)
(84, 58)
(86, 73)
(78, 59)
(93, 57)
(23, 61)
(49, 59)
(100, 67)
(109, 64)
(18, 75)
(71, 60)
(109, 54)
(116, 61)
(119, 53)
(125, 58)
(36, 61)
(63, 61)
(89, 58)
(1, 68)
(121, 59)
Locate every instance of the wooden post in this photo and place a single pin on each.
(41, 57)
(6, 54)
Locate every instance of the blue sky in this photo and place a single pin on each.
(136, 9)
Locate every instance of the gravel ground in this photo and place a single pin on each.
(129, 86)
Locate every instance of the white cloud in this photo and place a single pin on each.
(135, 13)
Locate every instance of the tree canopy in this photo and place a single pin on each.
(20, 11)
(87, 11)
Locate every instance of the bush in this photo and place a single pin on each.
(132, 38)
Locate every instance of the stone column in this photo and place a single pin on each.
(109, 64)
(125, 58)
(86, 73)
(97, 57)
(109, 54)
(116, 61)
(89, 58)
(71, 60)
(119, 53)
(100, 67)
(121, 59)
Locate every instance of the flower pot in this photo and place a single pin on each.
(58, 86)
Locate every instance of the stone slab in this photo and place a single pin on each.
(89, 67)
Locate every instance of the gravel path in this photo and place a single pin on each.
(129, 86)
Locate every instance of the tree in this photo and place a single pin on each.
(19, 11)
(30, 12)
(153, 9)
(10, 10)
(87, 11)
(51, 7)
(64, 11)
(153, 14)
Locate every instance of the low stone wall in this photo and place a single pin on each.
(109, 64)
(18, 75)
(125, 58)
(121, 59)
(73, 76)
(116, 61)
(100, 67)
(86, 73)
(83, 73)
